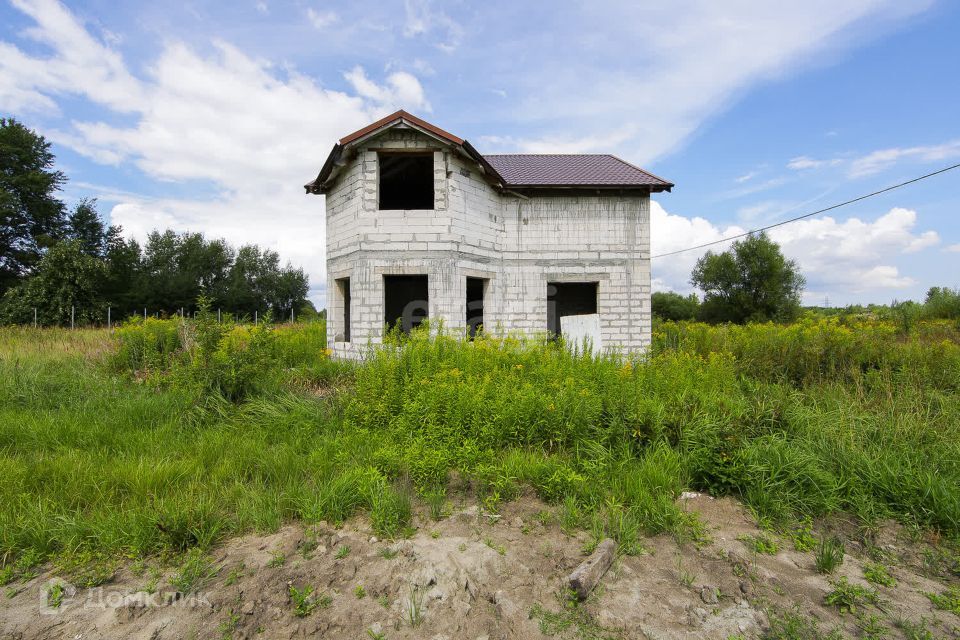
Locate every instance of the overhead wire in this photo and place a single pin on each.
(811, 214)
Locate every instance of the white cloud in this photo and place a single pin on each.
(802, 163)
(750, 175)
(749, 188)
(879, 160)
(675, 73)
(321, 19)
(423, 19)
(262, 7)
(854, 256)
(760, 211)
(671, 232)
(80, 64)
(401, 88)
(608, 140)
(954, 248)
(254, 132)
(841, 258)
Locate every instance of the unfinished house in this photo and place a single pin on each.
(421, 225)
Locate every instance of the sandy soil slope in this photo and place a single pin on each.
(477, 576)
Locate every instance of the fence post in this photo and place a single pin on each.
(144, 313)
(71, 316)
(108, 319)
(291, 315)
(34, 317)
(255, 320)
(218, 314)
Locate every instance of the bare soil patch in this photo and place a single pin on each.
(483, 576)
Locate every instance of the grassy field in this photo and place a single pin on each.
(163, 436)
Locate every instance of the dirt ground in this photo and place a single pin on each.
(478, 576)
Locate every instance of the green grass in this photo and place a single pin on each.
(306, 600)
(793, 625)
(54, 595)
(876, 573)
(849, 598)
(948, 600)
(829, 555)
(196, 570)
(761, 543)
(413, 607)
(128, 444)
(802, 537)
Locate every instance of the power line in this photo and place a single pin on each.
(812, 213)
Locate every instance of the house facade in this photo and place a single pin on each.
(421, 225)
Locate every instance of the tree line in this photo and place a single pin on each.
(754, 282)
(61, 261)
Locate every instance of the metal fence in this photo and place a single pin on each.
(112, 319)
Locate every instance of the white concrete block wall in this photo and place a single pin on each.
(518, 244)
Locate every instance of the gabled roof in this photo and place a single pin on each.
(572, 170)
(396, 118)
(509, 171)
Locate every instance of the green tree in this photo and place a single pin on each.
(257, 282)
(668, 305)
(84, 226)
(31, 218)
(123, 258)
(290, 291)
(942, 302)
(752, 282)
(178, 268)
(66, 277)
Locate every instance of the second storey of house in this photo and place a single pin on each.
(404, 185)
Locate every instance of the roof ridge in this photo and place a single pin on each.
(400, 114)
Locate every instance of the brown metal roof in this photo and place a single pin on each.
(396, 117)
(516, 171)
(572, 170)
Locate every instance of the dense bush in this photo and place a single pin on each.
(219, 357)
(826, 350)
(148, 345)
(794, 420)
(942, 302)
(668, 305)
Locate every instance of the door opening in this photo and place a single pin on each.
(405, 301)
(343, 285)
(569, 299)
(476, 288)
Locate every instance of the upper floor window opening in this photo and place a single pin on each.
(406, 181)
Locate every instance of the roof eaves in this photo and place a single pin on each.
(317, 185)
(654, 187)
(487, 167)
(669, 185)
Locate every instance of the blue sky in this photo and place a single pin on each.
(210, 116)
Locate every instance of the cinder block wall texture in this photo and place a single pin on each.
(518, 244)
